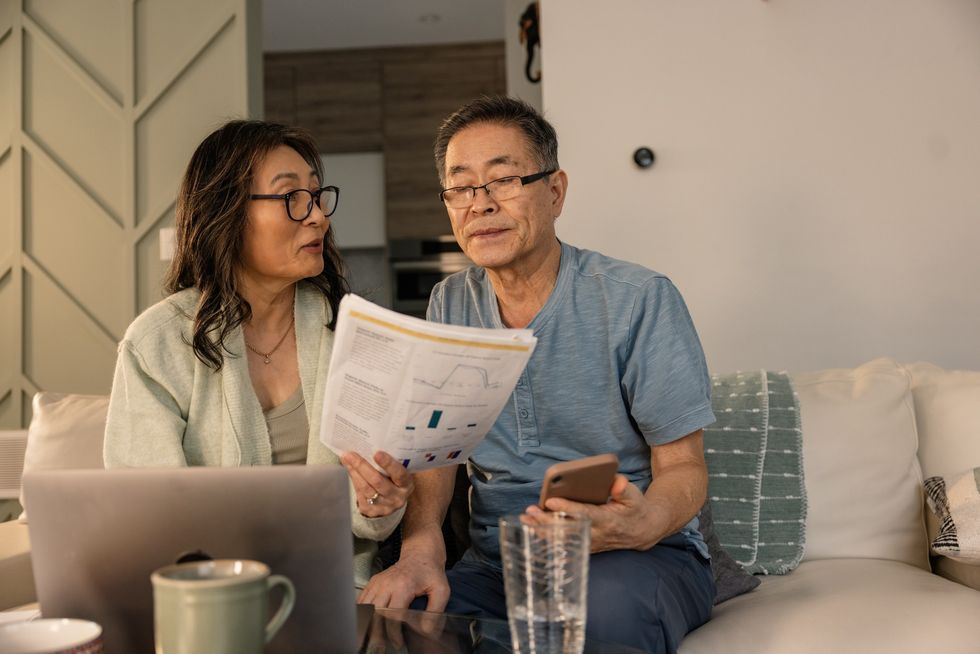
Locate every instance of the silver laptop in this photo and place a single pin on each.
(96, 535)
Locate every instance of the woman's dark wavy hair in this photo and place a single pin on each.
(211, 217)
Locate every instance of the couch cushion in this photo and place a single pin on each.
(947, 417)
(863, 479)
(66, 432)
(844, 605)
(962, 573)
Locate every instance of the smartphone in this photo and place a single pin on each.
(587, 480)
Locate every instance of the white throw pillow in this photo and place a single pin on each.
(947, 414)
(66, 432)
(863, 480)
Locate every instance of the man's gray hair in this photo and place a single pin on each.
(500, 110)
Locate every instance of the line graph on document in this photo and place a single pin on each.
(462, 376)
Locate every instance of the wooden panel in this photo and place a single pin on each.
(388, 99)
(280, 93)
(418, 96)
(340, 102)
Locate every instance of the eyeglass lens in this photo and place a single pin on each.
(301, 203)
(507, 188)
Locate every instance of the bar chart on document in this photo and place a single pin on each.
(445, 409)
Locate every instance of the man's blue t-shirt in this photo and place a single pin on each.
(618, 368)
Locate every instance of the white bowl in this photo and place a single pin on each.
(51, 636)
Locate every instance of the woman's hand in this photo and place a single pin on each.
(378, 495)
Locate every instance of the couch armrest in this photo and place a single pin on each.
(961, 573)
(15, 566)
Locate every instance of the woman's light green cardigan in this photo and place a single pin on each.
(169, 409)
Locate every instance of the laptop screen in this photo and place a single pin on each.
(96, 535)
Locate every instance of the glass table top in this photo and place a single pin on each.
(404, 631)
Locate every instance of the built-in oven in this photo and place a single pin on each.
(419, 264)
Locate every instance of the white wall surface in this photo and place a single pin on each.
(816, 195)
(359, 221)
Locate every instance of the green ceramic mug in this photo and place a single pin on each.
(216, 606)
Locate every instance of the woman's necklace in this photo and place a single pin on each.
(268, 355)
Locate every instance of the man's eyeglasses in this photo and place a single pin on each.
(505, 188)
(299, 203)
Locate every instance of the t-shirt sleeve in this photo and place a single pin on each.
(665, 377)
(433, 312)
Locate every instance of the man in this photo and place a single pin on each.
(618, 368)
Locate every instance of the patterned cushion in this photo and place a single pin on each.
(956, 502)
(782, 504)
(755, 470)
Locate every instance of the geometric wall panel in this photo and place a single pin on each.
(9, 418)
(7, 245)
(151, 268)
(67, 352)
(93, 154)
(79, 252)
(91, 32)
(8, 331)
(175, 121)
(159, 55)
(7, 71)
(7, 12)
(66, 232)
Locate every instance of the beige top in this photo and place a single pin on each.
(289, 430)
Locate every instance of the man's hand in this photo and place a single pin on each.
(633, 520)
(626, 522)
(411, 577)
(421, 569)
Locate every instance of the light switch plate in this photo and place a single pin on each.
(168, 242)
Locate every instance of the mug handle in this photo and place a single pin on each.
(288, 599)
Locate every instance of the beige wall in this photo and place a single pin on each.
(103, 103)
(816, 193)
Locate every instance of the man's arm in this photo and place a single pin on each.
(632, 520)
(420, 569)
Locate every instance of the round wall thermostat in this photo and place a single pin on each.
(644, 157)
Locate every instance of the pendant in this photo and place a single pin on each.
(268, 360)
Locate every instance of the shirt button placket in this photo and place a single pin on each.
(527, 429)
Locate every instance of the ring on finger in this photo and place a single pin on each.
(374, 499)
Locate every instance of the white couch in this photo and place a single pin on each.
(870, 436)
(866, 583)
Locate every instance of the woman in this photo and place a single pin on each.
(229, 370)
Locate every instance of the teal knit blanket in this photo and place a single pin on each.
(754, 455)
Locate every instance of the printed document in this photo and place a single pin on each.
(424, 392)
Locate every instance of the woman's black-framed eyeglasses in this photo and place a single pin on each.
(299, 202)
